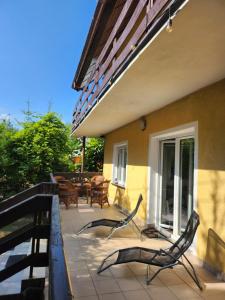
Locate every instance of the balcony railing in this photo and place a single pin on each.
(37, 209)
(120, 48)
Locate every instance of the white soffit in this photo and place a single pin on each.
(172, 66)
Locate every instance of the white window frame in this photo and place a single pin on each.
(116, 148)
(153, 204)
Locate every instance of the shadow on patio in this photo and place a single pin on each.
(84, 254)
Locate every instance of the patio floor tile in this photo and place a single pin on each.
(106, 286)
(183, 291)
(160, 292)
(87, 298)
(112, 296)
(137, 295)
(122, 271)
(83, 287)
(129, 284)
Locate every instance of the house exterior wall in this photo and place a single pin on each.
(207, 108)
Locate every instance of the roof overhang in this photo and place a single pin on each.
(170, 67)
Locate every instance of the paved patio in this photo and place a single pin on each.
(84, 254)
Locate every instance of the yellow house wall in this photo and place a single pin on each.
(207, 107)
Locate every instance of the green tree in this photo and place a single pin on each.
(94, 154)
(6, 133)
(42, 146)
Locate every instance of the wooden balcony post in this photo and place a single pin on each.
(97, 79)
(114, 58)
(148, 7)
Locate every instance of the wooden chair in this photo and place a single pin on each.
(90, 185)
(59, 178)
(68, 193)
(99, 193)
(79, 188)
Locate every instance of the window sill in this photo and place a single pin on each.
(118, 185)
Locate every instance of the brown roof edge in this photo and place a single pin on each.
(77, 81)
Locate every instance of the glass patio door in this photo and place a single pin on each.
(167, 184)
(186, 172)
(176, 183)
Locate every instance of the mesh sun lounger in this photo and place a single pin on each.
(114, 224)
(163, 258)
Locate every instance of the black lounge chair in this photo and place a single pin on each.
(163, 258)
(114, 224)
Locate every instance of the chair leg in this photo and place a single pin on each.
(87, 194)
(147, 272)
(148, 280)
(194, 275)
(138, 229)
(103, 200)
(90, 198)
(67, 203)
(107, 201)
(114, 229)
(83, 228)
(100, 269)
(111, 233)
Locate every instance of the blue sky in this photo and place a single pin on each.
(40, 45)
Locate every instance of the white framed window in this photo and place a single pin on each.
(120, 163)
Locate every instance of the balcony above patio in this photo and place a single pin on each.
(139, 67)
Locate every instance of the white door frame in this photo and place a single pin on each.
(153, 192)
